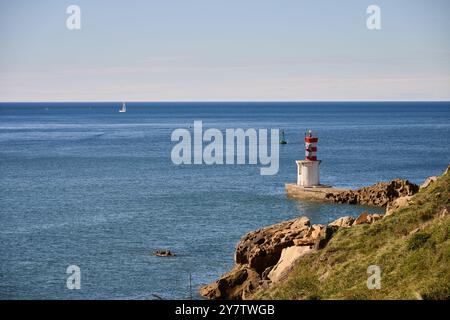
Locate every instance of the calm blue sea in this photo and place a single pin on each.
(82, 184)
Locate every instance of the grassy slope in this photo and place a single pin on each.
(413, 265)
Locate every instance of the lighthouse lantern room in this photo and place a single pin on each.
(308, 169)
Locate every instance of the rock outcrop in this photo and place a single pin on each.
(233, 285)
(343, 222)
(428, 182)
(397, 204)
(287, 261)
(413, 243)
(262, 248)
(380, 194)
(365, 218)
(267, 255)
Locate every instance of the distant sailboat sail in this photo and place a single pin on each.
(123, 108)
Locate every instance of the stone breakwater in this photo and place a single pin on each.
(267, 255)
(380, 194)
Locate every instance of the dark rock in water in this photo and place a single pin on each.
(164, 253)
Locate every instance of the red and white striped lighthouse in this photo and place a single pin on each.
(310, 146)
(308, 169)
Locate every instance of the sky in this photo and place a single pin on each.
(227, 50)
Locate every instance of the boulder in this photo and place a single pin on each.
(343, 222)
(397, 204)
(262, 248)
(232, 285)
(375, 217)
(313, 234)
(363, 218)
(289, 257)
(366, 218)
(444, 213)
(325, 236)
(428, 181)
(300, 223)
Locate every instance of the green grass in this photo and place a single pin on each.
(415, 264)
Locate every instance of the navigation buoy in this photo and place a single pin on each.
(282, 139)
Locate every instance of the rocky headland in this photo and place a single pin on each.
(266, 257)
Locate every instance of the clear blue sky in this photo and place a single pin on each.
(197, 50)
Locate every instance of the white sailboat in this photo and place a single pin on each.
(123, 108)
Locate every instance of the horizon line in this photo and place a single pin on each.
(220, 101)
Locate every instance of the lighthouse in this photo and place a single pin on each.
(308, 186)
(308, 169)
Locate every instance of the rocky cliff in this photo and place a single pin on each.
(261, 255)
(266, 257)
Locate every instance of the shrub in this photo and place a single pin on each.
(418, 240)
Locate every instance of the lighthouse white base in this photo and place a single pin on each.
(308, 173)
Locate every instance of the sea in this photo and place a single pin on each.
(82, 184)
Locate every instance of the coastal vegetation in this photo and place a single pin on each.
(411, 246)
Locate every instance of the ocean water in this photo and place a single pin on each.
(82, 184)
